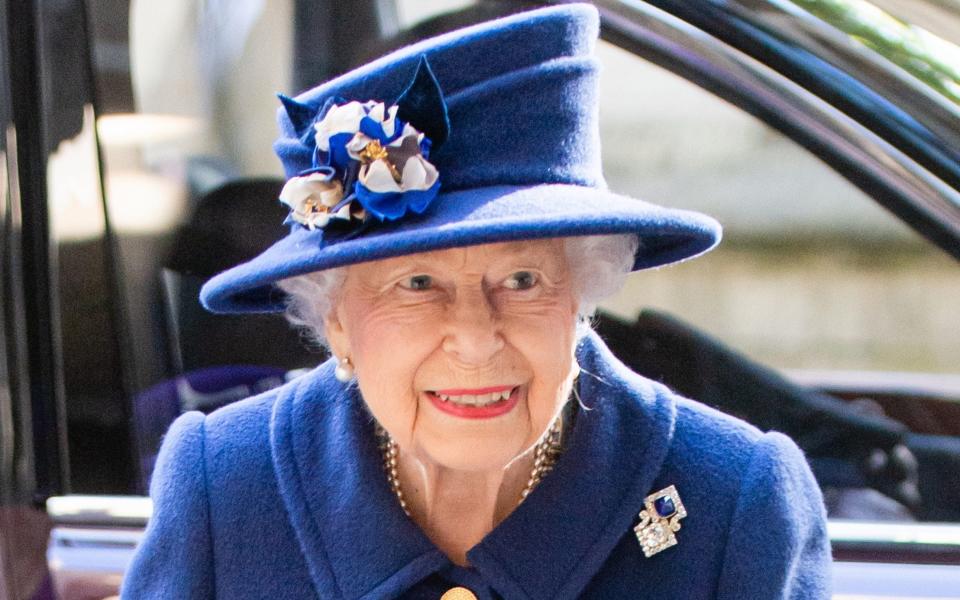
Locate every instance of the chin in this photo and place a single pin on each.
(475, 452)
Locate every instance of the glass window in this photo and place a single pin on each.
(187, 90)
(811, 274)
(914, 36)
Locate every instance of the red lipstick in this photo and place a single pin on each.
(465, 411)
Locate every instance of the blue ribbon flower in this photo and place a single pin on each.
(371, 153)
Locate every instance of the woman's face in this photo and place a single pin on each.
(463, 355)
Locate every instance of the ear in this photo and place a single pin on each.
(336, 333)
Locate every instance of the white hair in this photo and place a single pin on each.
(598, 266)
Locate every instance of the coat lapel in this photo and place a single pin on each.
(357, 541)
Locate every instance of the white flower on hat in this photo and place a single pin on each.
(345, 118)
(311, 198)
(377, 156)
(402, 172)
(390, 166)
(394, 167)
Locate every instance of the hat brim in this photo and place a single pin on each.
(466, 218)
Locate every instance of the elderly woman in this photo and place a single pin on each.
(449, 237)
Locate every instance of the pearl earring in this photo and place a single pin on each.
(344, 370)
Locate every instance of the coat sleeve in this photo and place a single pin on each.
(777, 546)
(175, 557)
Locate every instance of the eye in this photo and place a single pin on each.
(417, 282)
(521, 280)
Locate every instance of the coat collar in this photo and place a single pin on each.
(359, 544)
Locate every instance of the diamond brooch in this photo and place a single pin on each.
(659, 521)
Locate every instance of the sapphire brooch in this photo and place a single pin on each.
(659, 521)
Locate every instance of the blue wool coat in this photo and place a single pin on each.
(284, 496)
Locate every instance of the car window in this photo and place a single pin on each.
(914, 36)
(184, 132)
(811, 274)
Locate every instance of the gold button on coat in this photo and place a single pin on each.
(458, 593)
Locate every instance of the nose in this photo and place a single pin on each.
(473, 329)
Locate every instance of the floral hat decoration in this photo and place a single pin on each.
(482, 135)
(371, 159)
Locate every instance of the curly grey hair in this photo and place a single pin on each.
(598, 264)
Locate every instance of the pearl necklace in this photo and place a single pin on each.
(545, 455)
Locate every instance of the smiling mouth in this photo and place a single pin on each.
(481, 397)
(476, 403)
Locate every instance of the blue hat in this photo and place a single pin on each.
(486, 134)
